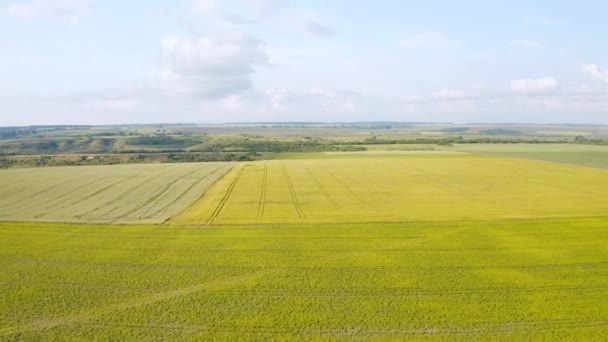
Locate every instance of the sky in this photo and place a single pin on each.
(217, 61)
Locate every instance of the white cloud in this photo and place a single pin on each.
(429, 39)
(454, 100)
(305, 21)
(527, 44)
(231, 103)
(50, 8)
(595, 72)
(449, 94)
(313, 27)
(204, 7)
(266, 7)
(534, 85)
(210, 66)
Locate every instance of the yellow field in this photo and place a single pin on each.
(146, 193)
(393, 190)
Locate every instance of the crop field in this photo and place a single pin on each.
(399, 189)
(104, 194)
(544, 279)
(583, 155)
(336, 246)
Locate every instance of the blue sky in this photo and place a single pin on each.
(205, 61)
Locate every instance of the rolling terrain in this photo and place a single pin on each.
(321, 247)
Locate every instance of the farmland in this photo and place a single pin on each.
(583, 155)
(408, 242)
(399, 189)
(533, 279)
(104, 194)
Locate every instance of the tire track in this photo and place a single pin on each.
(222, 203)
(294, 196)
(121, 196)
(183, 194)
(68, 194)
(262, 201)
(163, 191)
(28, 198)
(323, 190)
(90, 315)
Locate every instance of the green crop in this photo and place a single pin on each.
(516, 280)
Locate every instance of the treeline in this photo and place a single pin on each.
(451, 140)
(584, 141)
(164, 141)
(53, 146)
(114, 159)
(270, 146)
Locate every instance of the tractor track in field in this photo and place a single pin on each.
(262, 200)
(45, 190)
(124, 194)
(222, 203)
(90, 315)
(294, 195)
(323, 190)
(162, 192)
(183, 194)
(417, 292)
(231, 284)
(305, 333)
(54, 206)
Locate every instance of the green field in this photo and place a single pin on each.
(583, 155)
(322, 247)
(475, 280)
(104, 194)
(398, 190)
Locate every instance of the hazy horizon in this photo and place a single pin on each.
(93, 62)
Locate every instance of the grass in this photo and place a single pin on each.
(104, 194)
(373, 154)
(527, 148)
(583, 155)
(533, 279)
(331, 247)
(399, 189)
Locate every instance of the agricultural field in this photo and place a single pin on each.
(104, 194)
(321, 246)
(532, 279)
(583, 155)
(399, 189)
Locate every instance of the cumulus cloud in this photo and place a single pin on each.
(595, 72)
(305, 21)
(429, 39)
(50, 8)
(318, 100)
(266, 7)
(212, 14)
(534, 85)
(313, 27)
(525, 43)
(210, 67)
(204, 7)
